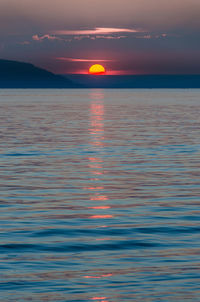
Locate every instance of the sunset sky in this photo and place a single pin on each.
(125, 36)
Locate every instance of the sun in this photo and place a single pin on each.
(97, 69)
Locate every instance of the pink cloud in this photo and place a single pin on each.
(93, 34)
(82, 60)
(48, 37)
(94, 37)
(97, 31)
(109, 37)
(78, 37)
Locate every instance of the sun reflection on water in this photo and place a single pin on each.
(96, 162)
(100, 209)
(102, 299)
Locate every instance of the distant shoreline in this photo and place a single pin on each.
(14, 75)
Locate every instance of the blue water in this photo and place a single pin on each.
(99, 195)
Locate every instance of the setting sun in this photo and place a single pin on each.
(97, 69)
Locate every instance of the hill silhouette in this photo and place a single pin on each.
(15, 74)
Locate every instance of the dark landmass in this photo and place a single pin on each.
(24, 75)
(136, 81)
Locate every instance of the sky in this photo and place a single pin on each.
(125, 36)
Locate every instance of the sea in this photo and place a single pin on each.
(99, 195)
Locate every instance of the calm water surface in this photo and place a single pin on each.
(99, 195)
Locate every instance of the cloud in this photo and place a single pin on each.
(82, 60)
(94, 37)
(109, 37)
(48, 37)
(153, 36)
(78, 37)
(96, 31)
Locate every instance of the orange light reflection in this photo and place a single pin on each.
(94, 188)
(96, 162)
(98, 298)
(98, 277)
(100, 207)
(95, 159)
(100, 216)
(99, 197)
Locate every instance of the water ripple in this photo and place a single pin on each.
(99, 195)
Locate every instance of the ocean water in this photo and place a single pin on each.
(100, 195)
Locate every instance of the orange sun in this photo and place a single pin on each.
(97, 69)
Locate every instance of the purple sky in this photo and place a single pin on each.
(126, 36)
